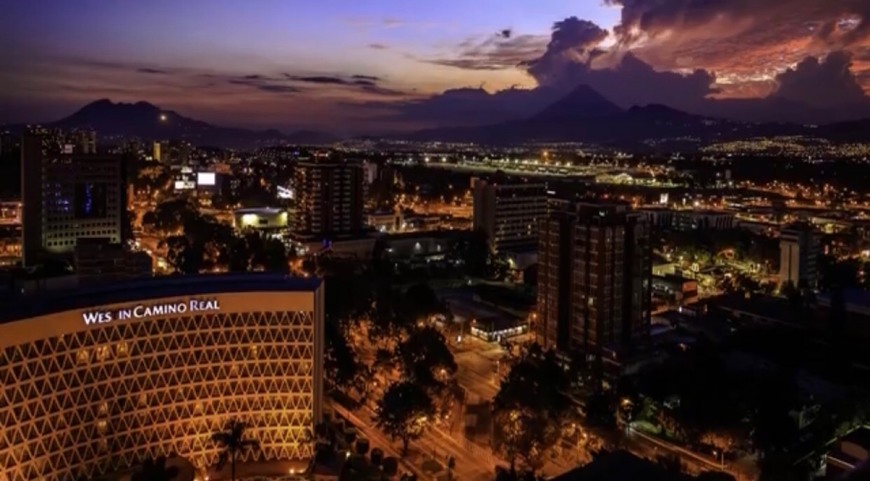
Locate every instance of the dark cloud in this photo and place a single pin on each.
(371, 88)
(497, 52)
(570, 44)
(154, 71)
(264, 84)
(634, 82)
(279, 88)
(100, 64)
(370, 78)
(743, 39)
(567, 63)
(369, 84)
(823, 83)
(564, 64)
(652, 17)
(378, 46)
(318, 79)
(470, 106)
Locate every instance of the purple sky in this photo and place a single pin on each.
(331, 64)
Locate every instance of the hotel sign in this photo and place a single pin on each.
(145, 311)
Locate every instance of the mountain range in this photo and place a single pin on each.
(583, 115)
(147, 121)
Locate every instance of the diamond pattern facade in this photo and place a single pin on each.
(105, 398)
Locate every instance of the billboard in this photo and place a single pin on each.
(205, 178)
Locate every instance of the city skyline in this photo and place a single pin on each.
(381, 66)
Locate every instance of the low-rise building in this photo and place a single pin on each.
(261, 218)
(100, 262)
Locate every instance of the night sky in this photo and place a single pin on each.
(351, 65)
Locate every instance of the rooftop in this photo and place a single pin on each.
(259, 210)
(153, 288)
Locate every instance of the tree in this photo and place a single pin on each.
(531, 408)
(342, 366)
(502, 474)
(451, 466)
(184, 256)
(426, 359)
(404, 412)
(420, 302)
(170, 216)
(155, 470)
(233, 443)
(254, 252)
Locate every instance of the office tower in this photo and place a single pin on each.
(83, 142)
(10, 165)
(156, 151)
(594, 279)
(508, 213)
(9, 143)
(68, 196)
(799, 250)
(330, 198)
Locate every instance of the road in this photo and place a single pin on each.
(648, 446)
(472, 463)
(377, 439)
(477, 362)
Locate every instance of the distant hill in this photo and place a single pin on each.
(147, 121)
(586, 116)
(581, 104)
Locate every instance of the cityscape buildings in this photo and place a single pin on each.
(97, 381)
(507, 212)
(606, 240)
(595, 278)
(68, 195)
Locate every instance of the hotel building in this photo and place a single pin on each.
(97, 382)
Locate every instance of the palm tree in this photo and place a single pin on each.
(232, 440)
(155, 470)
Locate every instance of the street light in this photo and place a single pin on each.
(720, 455)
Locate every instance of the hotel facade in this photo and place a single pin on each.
(98, 382)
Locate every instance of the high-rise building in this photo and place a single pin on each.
(508, 212)
(594, 279)
(9, 143)
(157, 151)
(329, 198)
(67, 196)
(799, 250)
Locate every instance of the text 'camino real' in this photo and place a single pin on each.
(143, 311)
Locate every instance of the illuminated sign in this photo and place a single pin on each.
(205, 178)
(144, 311)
